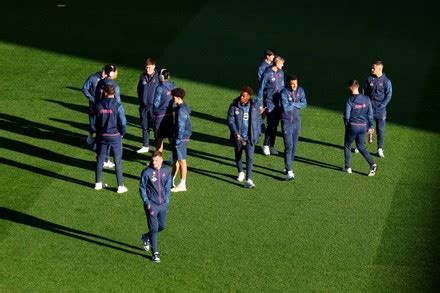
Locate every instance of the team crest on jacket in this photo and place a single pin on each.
(144, 82)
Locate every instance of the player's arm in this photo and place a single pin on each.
(347, 112)
(139, 89)
(157, 95)
(182, 118)
(302, 102)
(231, 121)
(143, 188)
(122, 120)
(388, 93)
(285, 101)
(370, 116)
(167, 187)
(261, 88)
(86, 90)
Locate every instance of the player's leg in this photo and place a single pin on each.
(349, 137)
(101, 152)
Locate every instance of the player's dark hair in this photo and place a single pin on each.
(353, 82)
(247, 89)
(157, 154)
(268, 52)
(378, 62)
(291, 77)
(165, 73)
(178, 92)
(109, 89)
(150, 61)
(109, 68)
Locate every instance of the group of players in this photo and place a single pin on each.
(281, 99)
(162, 108)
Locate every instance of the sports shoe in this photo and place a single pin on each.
(249, 184)
(266, 150)
(355, 150)
(347, 170)
(240, 177)
(290, 175)
(122, 189)
(373, 169)
(90, 139)
(100, 185)
(143, 150)
(380, 153)
(145, 241)
(273, 151)
(108, 165)
(179, 188)
(155, 258)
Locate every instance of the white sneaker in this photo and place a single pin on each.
(143, 150)
(179, 188)
(90, 139)
(240, 177)
(380, 153)
(348, 170)
(356, 150)
(100, 185)
(266, 150)
(249, 184)
(122, 189)
(108, 165)
(290, 175)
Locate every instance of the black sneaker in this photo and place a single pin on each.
(373, 169)
(145, 241)
(155, 258)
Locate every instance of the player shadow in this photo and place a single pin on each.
(313, 141)
(45, 154)
(214, 175)
(32, 221)
(208, 117)
(43, 172)
(40, 131)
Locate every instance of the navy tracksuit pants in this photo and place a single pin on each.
(249, 150)
(146, 116)
(273, 120)
(356, 133)
(291, 131)
(380, 129)
(102, 148)
(156, 220)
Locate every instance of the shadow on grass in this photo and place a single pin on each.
(31, 221)
(44, 172)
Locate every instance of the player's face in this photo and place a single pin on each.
(150, 69)
(376, 69)
(244, 98)
(279, 64)
(115, 75)
(293, 84)
(157, 162)
(270, 58)
(176, 100)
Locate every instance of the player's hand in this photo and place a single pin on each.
(148, 206)
(370, 130)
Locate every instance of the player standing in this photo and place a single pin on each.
(148, 81)
(244, 121)
(293, 98)
(378, 87)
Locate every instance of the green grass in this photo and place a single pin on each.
(326, 231)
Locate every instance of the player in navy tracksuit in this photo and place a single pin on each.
(182, 133)
(89, 89)
(111, 73)
(148, 81)
(358, 117)
(110, 124)
(163, 109)
(378, 87)
(154, 189)
(293, 98)
(244, 120)
(267, 61)
(272, 82)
